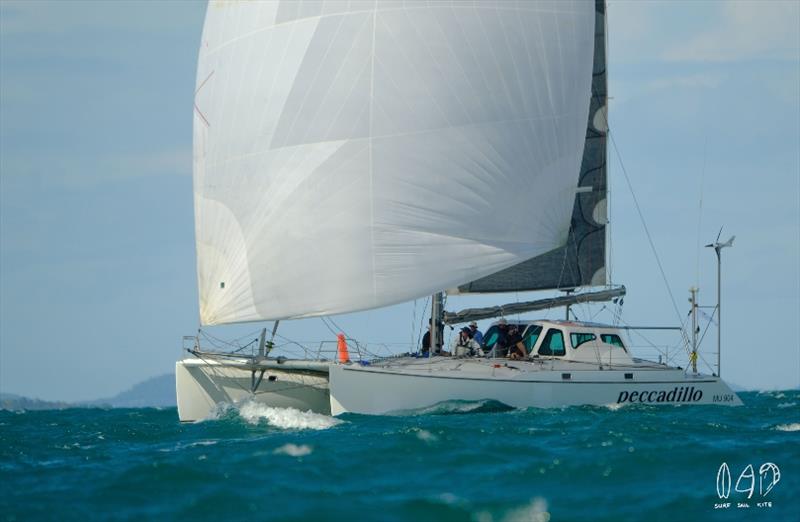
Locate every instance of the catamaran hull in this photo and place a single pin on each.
(375, 392)
(203, 384)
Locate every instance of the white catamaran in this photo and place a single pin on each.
(354, 155)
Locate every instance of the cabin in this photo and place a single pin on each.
(568, 340)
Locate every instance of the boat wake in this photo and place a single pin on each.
(457, 408)
(256, 413)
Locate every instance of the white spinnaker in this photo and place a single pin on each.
(352, 155)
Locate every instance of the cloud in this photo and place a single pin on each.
(703, 31)
(56, 17)
(692, 81)
(744, 30)
(92, 92)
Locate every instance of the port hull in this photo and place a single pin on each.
(203, 384)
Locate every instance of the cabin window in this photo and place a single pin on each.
(491, 336)
(613, 340)
(580, 338)
(531, 336)
(553, 343)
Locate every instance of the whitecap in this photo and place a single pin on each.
(293, 450)
(535, 511)
(787, 404)
(614, 406)
(425, 435)
(286, 418)
(795, 426)
(202, 443)
(220, 410)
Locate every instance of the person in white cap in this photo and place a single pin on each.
(476, 334)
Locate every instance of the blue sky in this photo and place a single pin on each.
(97, 273)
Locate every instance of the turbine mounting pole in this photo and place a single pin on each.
(717, 246)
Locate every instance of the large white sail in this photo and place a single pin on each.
(581, 260)
(352, 155)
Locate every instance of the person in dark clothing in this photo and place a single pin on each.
(516, 348)
(500, 346)
(426, 340)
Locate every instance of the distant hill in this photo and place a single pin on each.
(156, 392)
(9, 401)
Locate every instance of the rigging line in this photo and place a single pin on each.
(233, 341)
(216, 343)
(610, 135)
(338, 327)
(220, 376)
(290, 341)
(329, 327)
(644, 225)
(700, 212)
(708, 325)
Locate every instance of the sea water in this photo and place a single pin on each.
(455, 461)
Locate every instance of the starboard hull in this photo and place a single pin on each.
(201, 385)
(381, 391)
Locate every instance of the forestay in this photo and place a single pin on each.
(352, 155)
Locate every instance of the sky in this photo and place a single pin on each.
(97, 259)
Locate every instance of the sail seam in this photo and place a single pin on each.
(555, 117)
(371, 181)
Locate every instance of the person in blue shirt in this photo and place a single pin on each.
(476, 334)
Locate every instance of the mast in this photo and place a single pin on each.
(261, 342)
(693, 300)
(436, 313)
(568, 292)
(271, 342)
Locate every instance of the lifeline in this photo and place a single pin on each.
(682, 394)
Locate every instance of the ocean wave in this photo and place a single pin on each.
(534, 511)
(294, 450)
(787, 404)
(184, 445)
(456, 408)
(795, 426)
(285, 418)
(425, 435)
(254, 412)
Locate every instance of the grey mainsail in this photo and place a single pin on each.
(582, 260)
